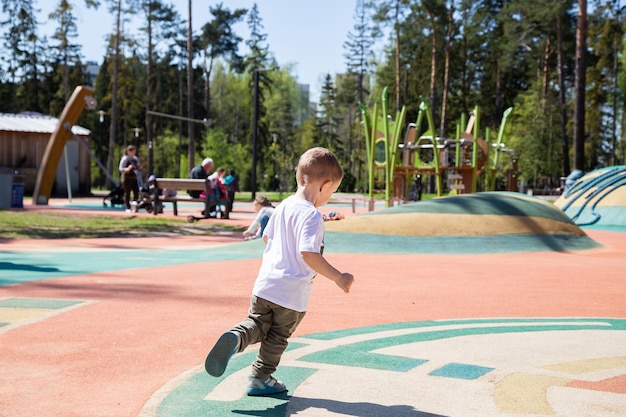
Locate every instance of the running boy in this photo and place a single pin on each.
(294, 239)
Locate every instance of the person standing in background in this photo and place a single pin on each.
(129, 169)
(232, 186)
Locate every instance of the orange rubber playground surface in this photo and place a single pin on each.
(121, 327)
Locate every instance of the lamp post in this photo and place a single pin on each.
(150, 158)
(101, 120)
(255, 128)
(255, 131)
(136, 129)
(275, 178)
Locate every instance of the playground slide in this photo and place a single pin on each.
(81, 97)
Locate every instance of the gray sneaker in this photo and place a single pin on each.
(217, 359)
(259, 387)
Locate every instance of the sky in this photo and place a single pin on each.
(307, 33)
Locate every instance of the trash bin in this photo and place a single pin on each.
(6, 182)
(17, 192)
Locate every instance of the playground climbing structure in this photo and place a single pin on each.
(597, 199)
(463, 164)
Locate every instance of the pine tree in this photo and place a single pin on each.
(258, 62)
(161, 24)
(354, 89)
(219, 40)
(358, 49)
(67, 53)
(328, 120)
(390, 13)
(605, 34)
(579, 88)
(22, 59)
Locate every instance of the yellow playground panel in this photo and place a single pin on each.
(451, 165)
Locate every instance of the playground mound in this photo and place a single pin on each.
(597, 199)
(491, 222)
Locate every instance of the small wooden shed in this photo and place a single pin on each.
(23, 141)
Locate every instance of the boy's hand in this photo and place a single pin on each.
(320, 265)
(345, 282)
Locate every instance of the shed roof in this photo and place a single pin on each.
(34, 122)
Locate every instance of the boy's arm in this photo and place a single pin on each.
(322, 266)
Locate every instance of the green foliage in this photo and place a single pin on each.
(227, 155)
(501, 54)
(348, 184)
(166, 151)
(533, 134)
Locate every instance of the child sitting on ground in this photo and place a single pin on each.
(264, 208)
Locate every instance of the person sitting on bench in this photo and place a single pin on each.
(200, 172)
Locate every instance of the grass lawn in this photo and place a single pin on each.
(45, 225)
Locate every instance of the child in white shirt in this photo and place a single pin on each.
(294, 239)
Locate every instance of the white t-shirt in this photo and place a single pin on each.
(284, 278)
(213, 179)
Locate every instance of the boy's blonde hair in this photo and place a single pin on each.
(318, 164)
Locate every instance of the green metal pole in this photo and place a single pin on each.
(475, 149)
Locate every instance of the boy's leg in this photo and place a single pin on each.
(284, 323)
(251, 330)
(254, 328)
(261, 381)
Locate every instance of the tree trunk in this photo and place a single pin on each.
(208, 68)
(181, 108)
(190, 112)
(149, 133)
(116, 69)
(579, 103)
(446, 73)
(398, 99)
(562, 103)
(498, 93)
(547, 51)
(433, 65)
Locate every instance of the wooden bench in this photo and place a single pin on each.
(184, 184)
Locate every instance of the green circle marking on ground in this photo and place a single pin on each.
(430, 361)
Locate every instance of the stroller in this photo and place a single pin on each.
(115, 197)
(146, 192)
(145, 200)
